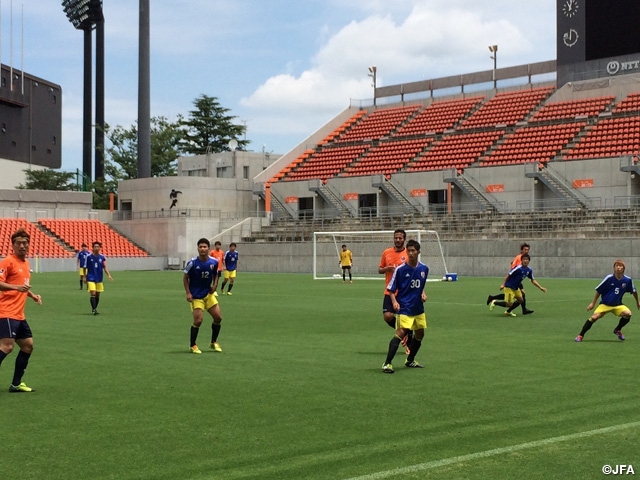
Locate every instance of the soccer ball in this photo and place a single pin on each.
(450, 279)
(444, 279)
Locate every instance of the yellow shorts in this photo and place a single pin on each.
(229, 274)
(205, 303)
(95, 287)
(411, 322)
(510, 294)
(82, 271)
(617, 310)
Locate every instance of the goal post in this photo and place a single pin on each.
(366, 248)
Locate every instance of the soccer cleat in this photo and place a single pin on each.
(527, 312)
(412, 364)
(229, 293)
(492, 305)
(579, 338)
(387, 368)
(509, 314)
(489, 299)
(22, 388)
(215, 346)
(94, 312)
(215, 294)
(619, 334)
(350, 281)
(195, 349)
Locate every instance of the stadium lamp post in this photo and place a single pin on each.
(494, 49)
(372, 73)
(85, 15)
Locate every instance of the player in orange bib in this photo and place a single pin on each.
(218, 254)
(15, 287)
(391, 258)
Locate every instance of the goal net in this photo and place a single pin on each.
(366, 248)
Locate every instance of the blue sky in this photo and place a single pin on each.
(283, 68)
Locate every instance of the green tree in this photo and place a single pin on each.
(210, 126)
(48, 180)
(121, 156)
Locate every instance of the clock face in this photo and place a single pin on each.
(570, 7)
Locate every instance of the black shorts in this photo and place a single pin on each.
(387, 305)
(16, 329)
(348, 267)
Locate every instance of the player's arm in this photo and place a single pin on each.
(635, 295)
(106, 270)
(595, 299)
(36, 298)
(4, 287)
(504, 281)
(394, 302)
(214, 284)
(542, 289)
(185, 283)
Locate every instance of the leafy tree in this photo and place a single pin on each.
(48, 180)
(121, 159)
(209, 125)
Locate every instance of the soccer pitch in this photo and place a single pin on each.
(298, 391)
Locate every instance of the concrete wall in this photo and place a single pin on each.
(551, 258)
(113, 263)
(13, 173)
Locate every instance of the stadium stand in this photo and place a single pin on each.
(41, 244)
(588, 107)
(506, 108)
(379, 123)
(629, 104)
(439, 116)
(538, 144)
(610, 137)
(326, 163)
(76, 232)
(455, 151)
(387, 157)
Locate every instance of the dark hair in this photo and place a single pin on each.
(21, 232)
(205, 241)
(84, 245)
(96, 243)
(413, 243)
(232, 244)
(399, 230)
(525, 255)
(217, 243)
(523, 245)
(344, 246)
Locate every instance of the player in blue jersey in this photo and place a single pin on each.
(231, 267)
(612, 288)
(200, 281)
(96, 268)
(406, 290)
(513, 282)
(81, 263)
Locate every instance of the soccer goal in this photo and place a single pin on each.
(366, 249)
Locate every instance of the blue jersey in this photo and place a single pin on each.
(82, 258)
(95, 267)
(611, 289)
(201, 275)
(231, 260)
(408, 283)
(517, 275)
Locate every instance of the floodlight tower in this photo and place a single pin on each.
(494, 49)
(373, 70)
(86, 15)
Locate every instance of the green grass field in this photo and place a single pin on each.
(298, 391)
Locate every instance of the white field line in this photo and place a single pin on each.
(491, 453)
